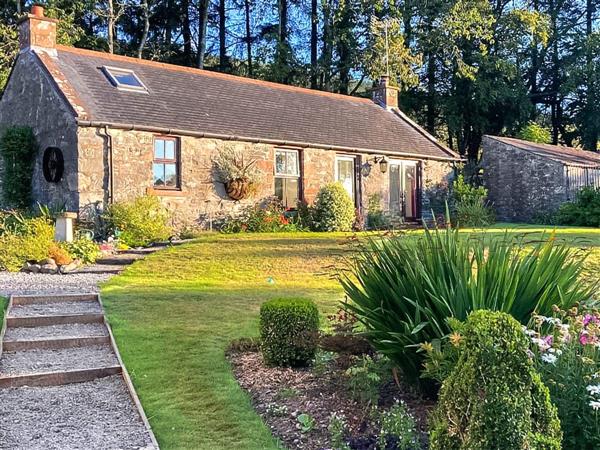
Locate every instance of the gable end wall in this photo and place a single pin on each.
(522, 186)
(31, 99)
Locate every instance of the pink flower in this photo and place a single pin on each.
(548, 340)
(585, 338)
(589, 318)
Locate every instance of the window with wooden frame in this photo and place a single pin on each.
(287, 176)
(165, 168)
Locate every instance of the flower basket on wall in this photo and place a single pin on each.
(238, 189)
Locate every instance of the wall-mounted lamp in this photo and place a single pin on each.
(382, 161)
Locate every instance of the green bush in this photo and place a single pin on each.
(470, 204)
(27, 239)
(398, 429)
(404, 288)
(584, 211)
(534, 132)
(494, 398)
(84, 249)
(17, 149)
(289, 331)
(376, 218)
(140, 222)
(333, 209)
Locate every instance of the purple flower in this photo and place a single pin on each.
(589, 318)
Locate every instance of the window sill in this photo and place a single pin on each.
(166, 192)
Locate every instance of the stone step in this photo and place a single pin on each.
(66, 331)
(55, 309)
(58, 378)
(44, 321)
(14, 346)
(36, 361)
(36, 299)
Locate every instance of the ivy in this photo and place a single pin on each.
(17, 149)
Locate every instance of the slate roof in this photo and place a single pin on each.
(201, 101)
(565, 155)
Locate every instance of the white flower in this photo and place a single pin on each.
(549, 358)
(594, 389)
(595, 405)
(529, 332)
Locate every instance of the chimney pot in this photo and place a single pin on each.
(37, 31)
(37, 10)
(385, 94)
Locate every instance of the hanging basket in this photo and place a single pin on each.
(238, 189)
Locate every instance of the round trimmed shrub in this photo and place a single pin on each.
(494, 398)
(289, 331)
(333, 209)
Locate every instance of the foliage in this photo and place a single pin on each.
(338, 428)
(470, 204)
(24, 239)
(366, 376)
(376, 218)
(17, 149)
(232, 164)
(534, 132)
(584, 211)
(289, 331)
(333, 209)
(494, 398)
(398, 428)
(83, 249)
(139, 222)
(307, 422)
(263, 217)
(403, 289)
(566, 349)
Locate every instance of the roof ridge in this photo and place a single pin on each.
(194, 70)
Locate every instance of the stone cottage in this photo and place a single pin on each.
(527, 180)
(112, 128)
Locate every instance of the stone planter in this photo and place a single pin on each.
(238, 189)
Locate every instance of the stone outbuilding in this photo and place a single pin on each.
(112, 128)
(528, 181)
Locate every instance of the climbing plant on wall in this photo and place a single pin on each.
(17, 150)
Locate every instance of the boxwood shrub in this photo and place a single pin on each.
(289, 331)
(333, 209)
(494, 398)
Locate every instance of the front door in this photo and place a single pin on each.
(403, 189)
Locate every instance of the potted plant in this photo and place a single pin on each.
(239, 174)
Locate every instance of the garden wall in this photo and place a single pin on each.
(30, 99)
(201, 195)
(522, 186)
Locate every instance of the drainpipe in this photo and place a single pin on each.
(109, 144)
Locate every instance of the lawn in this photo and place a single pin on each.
(174, 313)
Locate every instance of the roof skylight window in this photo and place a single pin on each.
(124, 79)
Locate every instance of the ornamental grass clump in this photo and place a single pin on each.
(494, 398)
(404, 288)
(289, 331)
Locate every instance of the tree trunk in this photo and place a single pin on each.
(146, 18)
(248, 38)
(223, 63)
(202, 23)
(282, 44)
(111, 27)
(314, 42)
(430, 92)
(327, 52)
(186, 32)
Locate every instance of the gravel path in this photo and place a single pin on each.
(95, 415)
(20, 283)
(53, 309)
(37, 361)
(74, 330)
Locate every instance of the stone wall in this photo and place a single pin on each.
(437, 177)
(202, 198)
(30, 99)
(522, 185)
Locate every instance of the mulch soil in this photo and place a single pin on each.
(280, 395)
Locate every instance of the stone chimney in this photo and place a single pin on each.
(384, 94)
(37, 31)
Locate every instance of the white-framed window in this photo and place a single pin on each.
(124, 79)
(287, 176)
(345, 173)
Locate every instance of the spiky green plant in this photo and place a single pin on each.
(405, 288)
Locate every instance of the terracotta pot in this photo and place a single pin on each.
(37, 10)
(238, 189)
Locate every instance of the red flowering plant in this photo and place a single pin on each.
(265, 217)
(566, 350)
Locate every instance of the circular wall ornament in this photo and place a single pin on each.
(53, 164)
